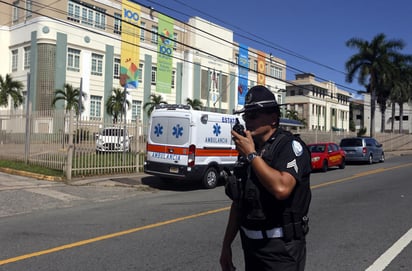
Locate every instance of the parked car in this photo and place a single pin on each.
(113, 139)
(363, 149)
(326, 155)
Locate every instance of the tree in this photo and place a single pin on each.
(154, 101)
(10, 88)
(70, 96)
(294, 115)
(116, 104)
(373, 59)
(401, 92)
(385, 87)
(196, 104)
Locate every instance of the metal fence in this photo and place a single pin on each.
(57, 140)
(390, 141)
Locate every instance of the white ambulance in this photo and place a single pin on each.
(190, 144)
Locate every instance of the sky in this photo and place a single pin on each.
(310, 35)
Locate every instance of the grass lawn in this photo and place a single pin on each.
(17, 165)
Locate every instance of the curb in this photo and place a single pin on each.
(31, 175)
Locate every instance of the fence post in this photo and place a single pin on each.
(137, 144)
(27, 133)
(70, 149)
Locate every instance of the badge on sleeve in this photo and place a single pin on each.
(297, 148)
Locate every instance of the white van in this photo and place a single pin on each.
(190, 144)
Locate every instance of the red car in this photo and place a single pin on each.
(326, 155)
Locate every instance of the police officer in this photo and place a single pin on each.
(270, 190)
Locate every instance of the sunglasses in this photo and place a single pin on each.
(250, 116)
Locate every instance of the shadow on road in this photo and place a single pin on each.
(171, 184)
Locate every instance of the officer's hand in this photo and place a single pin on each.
(226, 259)
(244, 144)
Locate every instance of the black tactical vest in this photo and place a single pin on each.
(260, 210)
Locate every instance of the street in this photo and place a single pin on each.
(359, 220)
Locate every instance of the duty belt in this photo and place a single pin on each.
(272, 233)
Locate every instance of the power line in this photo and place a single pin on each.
(147, 48)
(259, 40)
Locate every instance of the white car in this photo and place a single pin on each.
(112, 139)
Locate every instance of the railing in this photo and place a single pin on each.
(49, 143)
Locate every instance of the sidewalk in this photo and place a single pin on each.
(126, 180)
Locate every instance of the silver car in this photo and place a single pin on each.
(112, 139)
(362, 149)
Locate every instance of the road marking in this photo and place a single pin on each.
(155, 225)
(365, 173)
(386, 258)
(108, 236)
(54, 194)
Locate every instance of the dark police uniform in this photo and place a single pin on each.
(273, 231)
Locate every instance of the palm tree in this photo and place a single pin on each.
(373, 59)
(154, 101)
(196, 104)
(294, 115)
(401, 92)
(116, 104)
(71, 97)
(385, 86)
(9, 87)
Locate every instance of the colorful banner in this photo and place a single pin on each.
(164, 54)
(130, 53)
(261, 77)
(243, 71)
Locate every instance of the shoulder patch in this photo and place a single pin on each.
(297, 148)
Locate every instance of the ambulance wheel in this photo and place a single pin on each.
(210, 178)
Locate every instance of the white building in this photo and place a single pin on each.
(79, 43)
(321, 104)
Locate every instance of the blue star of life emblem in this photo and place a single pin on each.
(158, 130)
(216, 129)
(177, 131)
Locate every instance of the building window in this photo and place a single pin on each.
(100, 18)
(275, 72)
(28, 8)
(90, 15)
(154, 34)
(97, 64)
(15, 15)
(154, 73)
(95, 106)
(136, 110)
(175, 41)
(116, 71)
(14, 59)
(173, 78)
(73, 11)
(26, 58)
(279, 99)
(255, 65)
(87, 16)
(142, 30)
(73, 59)
(140, 75)
(117, 28)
